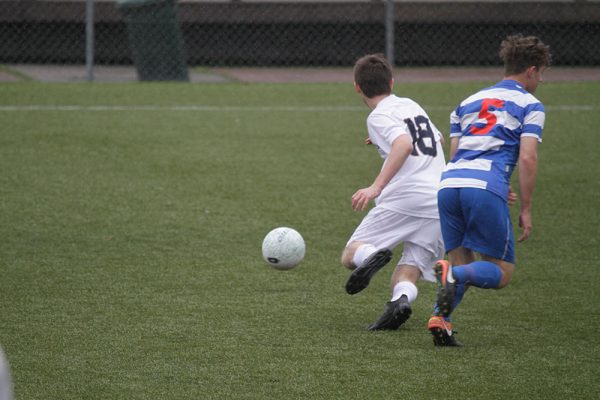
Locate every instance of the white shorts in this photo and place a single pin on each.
(422, 238)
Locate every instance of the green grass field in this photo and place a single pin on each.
(132, 217)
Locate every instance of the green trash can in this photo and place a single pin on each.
(155, 39)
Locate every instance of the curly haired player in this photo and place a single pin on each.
(490, 133)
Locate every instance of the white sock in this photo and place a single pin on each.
(405, 288)
(362, 253)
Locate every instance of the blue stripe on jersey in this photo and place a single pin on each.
(490, 124)
(531, 128)
(534, 107)
(454, 128)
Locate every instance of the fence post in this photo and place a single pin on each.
(89, 39)
(389, 31)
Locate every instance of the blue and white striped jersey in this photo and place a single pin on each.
(490, 125)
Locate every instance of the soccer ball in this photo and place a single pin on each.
(6, 387)
(283, 248)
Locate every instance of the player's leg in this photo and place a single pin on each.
(368, 250)
(461, 256)
(457, 256)
(366, 266)
(453, 227)
(489, 232)
(404, 292)
(422, 247)
(449, 296)
(347, 258)
(403, 282)
(453, 224)
(507, 269)
(454, 280)
(357, 253)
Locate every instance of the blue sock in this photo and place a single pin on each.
(458, 295)
(481, 274)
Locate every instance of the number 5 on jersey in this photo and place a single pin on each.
(488, 106)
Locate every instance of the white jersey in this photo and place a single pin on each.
(413, 190)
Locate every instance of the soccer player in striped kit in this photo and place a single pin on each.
(491, 132)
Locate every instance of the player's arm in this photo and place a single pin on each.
(453, 146)
(455, 133)
(401, 149)
(527, 176)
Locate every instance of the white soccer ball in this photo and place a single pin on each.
(283, 248)
(6, 386)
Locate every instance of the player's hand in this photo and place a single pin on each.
(361, 199)
(526, 224)
(512, 196)
(368, 141)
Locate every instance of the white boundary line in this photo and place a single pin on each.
(180, 108)
(200, 108)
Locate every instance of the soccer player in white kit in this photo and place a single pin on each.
(405, 194)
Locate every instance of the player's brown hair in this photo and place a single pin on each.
(521, 52)
(373, 74)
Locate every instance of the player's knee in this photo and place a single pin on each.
(346, 258)
(503, 283)
(507, 272)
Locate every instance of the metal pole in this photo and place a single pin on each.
(389, 31)
(89, 39)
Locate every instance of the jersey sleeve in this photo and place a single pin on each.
(533, 123)
(455, 124)
(383, 127)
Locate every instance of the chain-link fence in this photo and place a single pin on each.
(164, 37)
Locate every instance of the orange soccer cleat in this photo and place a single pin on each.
(442, 331)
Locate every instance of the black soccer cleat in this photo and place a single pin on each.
(361, 276)
(395, 313)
